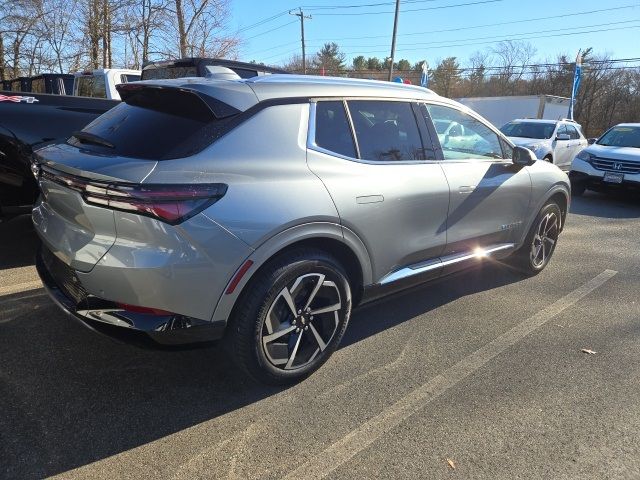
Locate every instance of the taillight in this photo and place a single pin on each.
(170, 203)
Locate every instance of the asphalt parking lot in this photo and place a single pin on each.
(475, 376)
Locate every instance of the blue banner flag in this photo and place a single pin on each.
(576, 83)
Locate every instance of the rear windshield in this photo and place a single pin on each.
(156, 124)
(528, 129)
(169, 72)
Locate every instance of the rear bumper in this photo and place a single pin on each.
(106, 317)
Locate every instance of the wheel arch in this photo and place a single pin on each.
(560, 194)
(332, 238)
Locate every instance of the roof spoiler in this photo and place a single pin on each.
(131, 93)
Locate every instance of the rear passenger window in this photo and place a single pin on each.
(386, 131)
(333, 132)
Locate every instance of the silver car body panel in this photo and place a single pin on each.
(399, 219)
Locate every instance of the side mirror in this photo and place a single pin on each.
(563, 136)
(523, 156)
(592, 140)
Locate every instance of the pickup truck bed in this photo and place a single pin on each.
(27, 126)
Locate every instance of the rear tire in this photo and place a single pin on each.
(291, 317)
(540, 243)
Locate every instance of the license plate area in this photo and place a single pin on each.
(611, 177)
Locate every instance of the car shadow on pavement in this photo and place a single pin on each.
(607, 205)
(70, 397)
(18, 242)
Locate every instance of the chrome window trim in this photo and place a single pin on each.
(311, 134)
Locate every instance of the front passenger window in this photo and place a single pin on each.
(463, 137)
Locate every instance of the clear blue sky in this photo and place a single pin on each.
(425, 29)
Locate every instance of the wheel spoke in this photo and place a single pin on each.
(286, 294)
(280, 333)
(315, 291)
(330, 308)
(550, 240)
(293, 353)
(318, 338)
(549, 227)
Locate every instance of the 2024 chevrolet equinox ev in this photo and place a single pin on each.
(260, 211)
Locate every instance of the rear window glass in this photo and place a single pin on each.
(169, 72)
(128, 78)
(91, 86)
(37, 86)
(154, 124)
(333, 132)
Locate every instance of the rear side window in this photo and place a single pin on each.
(91, 86)
(155, 124)
(333, 132)
(386, 131)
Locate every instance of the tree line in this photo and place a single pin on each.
(38, 36)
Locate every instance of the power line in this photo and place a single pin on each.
(414, 9)
(263, 21)
(527, 20)
(364, 5)
(426, 44)
(272, 30)
(497, 40)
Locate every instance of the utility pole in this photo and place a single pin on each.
(302, 16)
(393, 40)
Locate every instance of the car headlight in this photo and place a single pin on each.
(584, 155)
(533, 146)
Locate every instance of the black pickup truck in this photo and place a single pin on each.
(31, 120)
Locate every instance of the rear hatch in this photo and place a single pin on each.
(111, 157)
(76, 232)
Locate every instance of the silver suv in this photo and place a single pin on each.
(263, 210)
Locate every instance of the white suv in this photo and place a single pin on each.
(556, 141)
(612, 161)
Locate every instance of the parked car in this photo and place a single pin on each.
(28, 121)
(53, 83)
(262, 210)
(202, 67)
(557, 142)
(101, 83)
(612, 161)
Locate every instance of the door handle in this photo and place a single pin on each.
(466, 189)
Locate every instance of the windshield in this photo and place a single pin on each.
(621, 137)
(528, 129)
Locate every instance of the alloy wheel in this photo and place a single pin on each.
(544, 239)
(301, 321)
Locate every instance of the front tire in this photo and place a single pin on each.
(540, 243)
(291, 317)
